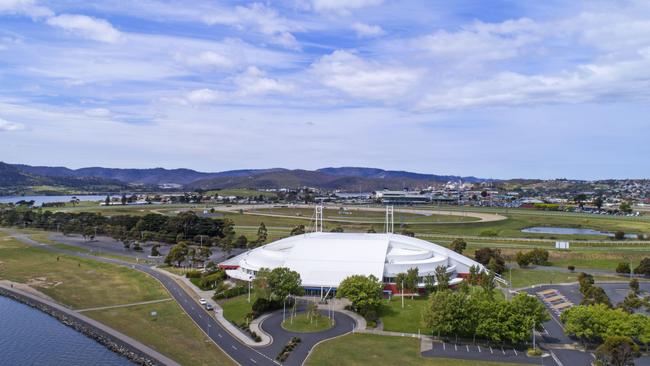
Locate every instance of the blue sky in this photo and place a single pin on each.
(503, 89)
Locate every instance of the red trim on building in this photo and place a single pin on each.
(228, 266)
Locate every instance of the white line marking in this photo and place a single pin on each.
(515, 351)
(479, 348)
(220, 336)
(491, 349)
(252, 360)
(467, 346)
(455, 347)
(443, 346)
(502, 350)
(233, 347)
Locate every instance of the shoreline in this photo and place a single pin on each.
(130, 349)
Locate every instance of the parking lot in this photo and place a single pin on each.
(482, 352)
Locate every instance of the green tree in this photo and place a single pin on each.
(284, 282)
(241, 241)
(364, 292)
(625, 207)
(617, 351)
(643, 268)
(177, 254)
(623, 267)
(634, 286)
(337, 229)
(488, 284)
(298, 230)
(522, 259)
(262, 234)
(598, 202)
(619, 235)
(411, 280)
(487, 255)
(442, 278)
(261, 283)
(107, 201)
(458, 245)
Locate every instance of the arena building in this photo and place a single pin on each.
(324, 259)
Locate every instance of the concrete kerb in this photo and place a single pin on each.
(218, 311)
(109, 337)
(256, 326)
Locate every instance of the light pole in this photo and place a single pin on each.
(402, 294)
(249, 291)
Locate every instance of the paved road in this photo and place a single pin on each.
(342, 324)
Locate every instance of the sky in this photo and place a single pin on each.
(494, 89)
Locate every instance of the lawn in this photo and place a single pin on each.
(367, 349)
(360, 215)
(75, 282)
(171, 332)
(236, 308)
(408, 319)
(301, 323)
(529, 277)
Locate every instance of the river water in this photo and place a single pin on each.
(39, 200)
(31, 337)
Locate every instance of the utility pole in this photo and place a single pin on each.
(249, 291)
(402, 294)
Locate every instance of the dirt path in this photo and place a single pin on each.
(481, 216)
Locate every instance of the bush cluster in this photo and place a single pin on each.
(536, 256)
(286, 351)
(229, 293)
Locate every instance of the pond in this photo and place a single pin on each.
(570, 231)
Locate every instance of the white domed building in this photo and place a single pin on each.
(324, 259)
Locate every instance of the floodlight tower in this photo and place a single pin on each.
(390, 220)
(319, 218)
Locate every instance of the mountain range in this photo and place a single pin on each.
(344, 178)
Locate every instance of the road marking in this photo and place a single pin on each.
(467, 346)
(233, 347)
(252, 360)
(443, 346)
(491, 350)
(219, 334)
(515, 351)
(479, 348)
(502, 350)
(455, 347)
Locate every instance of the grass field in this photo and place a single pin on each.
(236, 308)
(408, 319)
(81, 283)
(367, 349)
(302, 324)
(239, 192)
(172, 332)
(528, 277)
(75, 282)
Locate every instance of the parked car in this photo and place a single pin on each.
(202, 301)
(209, 307)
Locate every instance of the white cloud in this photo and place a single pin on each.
(24, 7)
(10, 126)
(259, 18)
(204, 96)
(343, 5)
(481, 41)
(254, 81)
(208, 59)
(367, 30)
(87, 27)
(357, 77)
(97, 112)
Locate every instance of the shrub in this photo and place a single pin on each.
(491, 258)
(619, 235)
(488, 232)
(624, 268)
(539, 256)
(231, 292)
(523, 259)
(643, 267)
(534, 352)
(571, 267)
(193, 274)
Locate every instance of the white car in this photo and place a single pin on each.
(202, 301)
